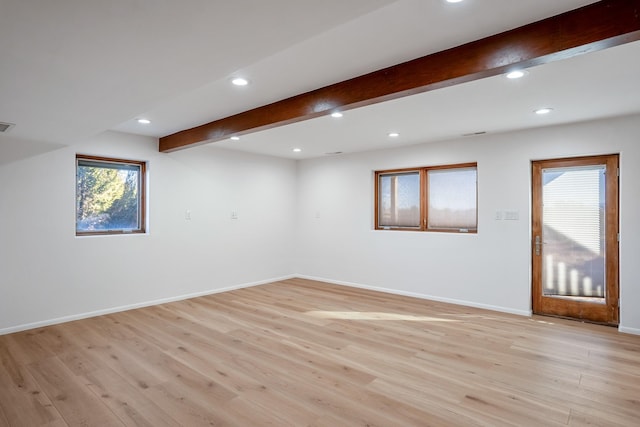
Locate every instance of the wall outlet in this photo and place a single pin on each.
(234, 214)
(187, 215)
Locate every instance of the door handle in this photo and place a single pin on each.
(538, 245)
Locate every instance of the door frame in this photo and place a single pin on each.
(607, 313)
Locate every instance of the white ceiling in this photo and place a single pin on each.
(71, 69)
(587, 87)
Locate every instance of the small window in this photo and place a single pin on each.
(442, 198)
(452, 199)
(399, 200)
(110, 196)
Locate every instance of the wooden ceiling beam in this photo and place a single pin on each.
(594, 27)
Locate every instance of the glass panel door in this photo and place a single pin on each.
(575, 238)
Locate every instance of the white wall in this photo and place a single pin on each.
(336, 241)
(314, 218)
(48, 275)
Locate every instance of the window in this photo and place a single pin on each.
(110, 196)
(399, 199)
(440, 198)
(452, 197)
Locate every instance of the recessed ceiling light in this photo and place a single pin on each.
(454, 1)
(516, 74)
(542, 111)
(297, 150)
(144, 121)
(239, 81)
(336, 114)
(393, 134)
(235, 138)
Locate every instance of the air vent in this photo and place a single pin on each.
(5, 127)
(475, 133)
(333, 153)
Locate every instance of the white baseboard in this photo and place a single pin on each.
(625, 330)
(43, 323)
(526, 313)
(86, 315)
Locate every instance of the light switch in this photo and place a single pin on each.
(511, 215)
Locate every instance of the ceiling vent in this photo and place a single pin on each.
(5, 127)
(475, 133)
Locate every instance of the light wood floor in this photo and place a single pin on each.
(302, 353)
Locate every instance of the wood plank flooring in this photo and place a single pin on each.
(303, 353)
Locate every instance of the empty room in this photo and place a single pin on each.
(319, 213)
